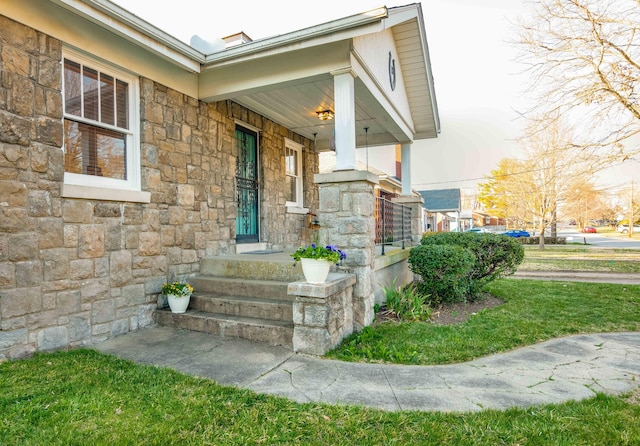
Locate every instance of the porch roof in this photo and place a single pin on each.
(441, 200)
(289, 77)
(296, 77)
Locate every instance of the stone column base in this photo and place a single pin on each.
(322, 313)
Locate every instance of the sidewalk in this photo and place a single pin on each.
(570, 368)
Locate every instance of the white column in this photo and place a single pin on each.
(345, 119)
(405, 160)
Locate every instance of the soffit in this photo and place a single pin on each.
(413, 51)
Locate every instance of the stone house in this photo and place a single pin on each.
(127, 156)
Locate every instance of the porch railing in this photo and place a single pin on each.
(393, 223)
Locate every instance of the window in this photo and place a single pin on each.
(101, 148)
(293, 167)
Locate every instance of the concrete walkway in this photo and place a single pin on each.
(570, 368)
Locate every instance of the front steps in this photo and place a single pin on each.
(243, 295)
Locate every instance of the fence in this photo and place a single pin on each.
(393, 223)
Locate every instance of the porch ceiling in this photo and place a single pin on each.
(295, 107)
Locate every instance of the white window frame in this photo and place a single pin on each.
(102, 188)
(298, 205)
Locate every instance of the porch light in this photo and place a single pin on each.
(325, 115)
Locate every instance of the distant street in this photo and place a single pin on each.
(616, 241)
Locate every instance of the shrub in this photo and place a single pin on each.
(495, 255)
(406, 303)
(547, 240)
(445, 271)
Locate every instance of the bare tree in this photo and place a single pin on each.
(583, 58)
(533, 189)
(584, 202)
(632, 208)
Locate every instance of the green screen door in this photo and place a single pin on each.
(247, 185)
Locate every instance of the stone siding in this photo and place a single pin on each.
(74, 272)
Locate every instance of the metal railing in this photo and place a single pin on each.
(393, 223)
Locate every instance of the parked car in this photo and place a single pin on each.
(589, 229)
(517, 233)
(625, 228)
(478, 230)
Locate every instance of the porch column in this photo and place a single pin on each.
(405, 161)
(346, 217)
(345, 119)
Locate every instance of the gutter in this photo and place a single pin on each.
(132, 28)
(324, 29)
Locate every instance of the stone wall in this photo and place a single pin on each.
(74, 272)
(322, 313)
(391, 271)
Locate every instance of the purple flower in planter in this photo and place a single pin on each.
(330, 253)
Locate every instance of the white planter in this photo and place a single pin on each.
(315, 270)
(178, 304)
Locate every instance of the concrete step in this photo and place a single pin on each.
(241, 295)
(276, 267)
(272, 332)
(254, 307)
(233, 286)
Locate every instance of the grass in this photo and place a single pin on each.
(533, 311)
(84, 397)
(581, 258)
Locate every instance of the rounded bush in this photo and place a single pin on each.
(495, 255)
(445, 271)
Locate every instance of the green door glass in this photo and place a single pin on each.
(247, 186)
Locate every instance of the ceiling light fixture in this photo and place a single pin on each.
(325, 115)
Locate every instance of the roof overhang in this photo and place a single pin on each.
(135, 30)
(286, 78)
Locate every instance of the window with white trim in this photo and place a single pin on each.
(101, 115)
(293, 168)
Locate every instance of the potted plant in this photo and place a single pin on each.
(178, 294)
(316, 260)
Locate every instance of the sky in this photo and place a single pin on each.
(479, 87)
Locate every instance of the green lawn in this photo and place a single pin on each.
(581, 258)
(87, 398)
(83, 397)
(533, 311)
